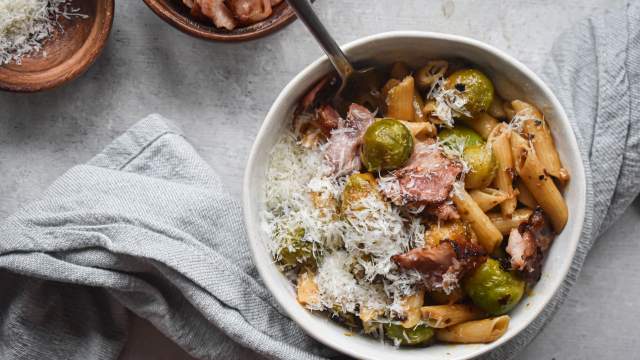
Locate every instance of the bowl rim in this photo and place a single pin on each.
(100, 41)
(270, 120)
(173, 18)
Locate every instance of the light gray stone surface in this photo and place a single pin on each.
(219, 94)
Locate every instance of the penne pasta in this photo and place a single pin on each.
(420, 130)
(431, 73)
(399, 70)
(418, 104)
(441, 316)
(368, 317)
(473, 332)
(488, 235)
(307, 290)
(508, 110)
(537, 131)
(488, 198)
(543, 189)
(452, 230)
(525, 197)
(504, 224)
(411, 305)
(400, 100)
(482, 123)
(500, 140)
(496, 109)
(390, 84)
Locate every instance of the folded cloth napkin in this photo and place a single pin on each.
(146, 227)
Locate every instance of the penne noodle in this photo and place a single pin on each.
(420, 130)
(482, 123)
(390, 84)
(508, 110)
(488, 198)
(452, 230)
(544, 190)
(488, 235)
(500, 140)
(473, 332)
(431, 73)
(399, 70)
(368, 317)
(400, 100)
(307, 290)
(441, 316)
(537, 131)
(505, 224)
(411, 305)
(518, 147)
(418, 104)
(525, 197)
(496, 109)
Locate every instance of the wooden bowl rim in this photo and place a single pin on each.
(95, 44)
(173, 18)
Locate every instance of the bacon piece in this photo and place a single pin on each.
(327, 119)
(218, 12)
(527, 245)
(310, 97)
(445, 211)
(250, 11)
(426, 180)
(342, 151)
(447, 259)
(275, 2)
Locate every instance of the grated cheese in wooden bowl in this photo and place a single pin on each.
(26, 24)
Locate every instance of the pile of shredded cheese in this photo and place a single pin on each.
(352, 251)
(26, 24)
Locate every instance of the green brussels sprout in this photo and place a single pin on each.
(482, 163)
(482, 166)
(470, 137)
(294, 250)
(476, 88)
(387, 145)
(358, 187)
(493, 289)
(418, 335)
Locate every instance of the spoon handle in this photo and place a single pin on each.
(339, 60)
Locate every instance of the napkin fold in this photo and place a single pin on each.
(146, 227)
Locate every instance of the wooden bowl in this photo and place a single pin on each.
(67, 54)
(177, 15)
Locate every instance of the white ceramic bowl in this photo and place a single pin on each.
(512, 80)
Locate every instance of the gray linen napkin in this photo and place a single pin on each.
(146, 226)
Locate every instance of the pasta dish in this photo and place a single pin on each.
(416, 208)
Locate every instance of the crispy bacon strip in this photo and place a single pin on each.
(527, 245)
(215, 10)
(250, 11)
(426, 181)
(453, 257)
(327, 119)
(342, 151)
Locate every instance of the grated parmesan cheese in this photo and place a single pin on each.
(26, 24)
(449, 102)
(353, 251)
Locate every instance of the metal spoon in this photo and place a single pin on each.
(354, 82)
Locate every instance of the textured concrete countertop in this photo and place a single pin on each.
(219, 94)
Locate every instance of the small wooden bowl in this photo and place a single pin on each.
(67, 54)
(177, 15)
